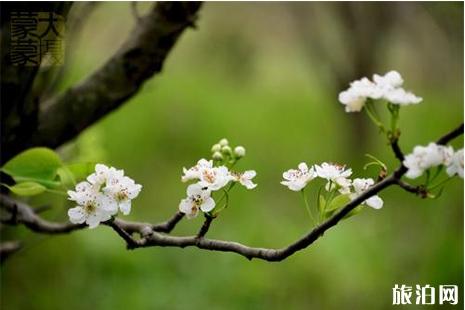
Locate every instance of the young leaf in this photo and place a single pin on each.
(66, 177)
(80, 171)
(27, 188)
(354, 211)
(321, 202)
(37, 164)
(338, 202)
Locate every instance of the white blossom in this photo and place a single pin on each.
(425, 157)
(214, 178)
(245, 178)
(390, 80)
(239, 151)
(336, 175)
(92, 205)
(217, 156)
(455, 165)
(360, 186)
(122, 190)
(401, 97)
(355, 96)
(197, 199)
(105, 192)
(386, 87)
(194, 172)
(296, 180)
(102, 174)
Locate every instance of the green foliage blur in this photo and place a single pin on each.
(266, 76)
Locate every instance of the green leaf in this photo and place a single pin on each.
(338, 202)
(80, 171)
(321, 202)
(37, 165)
(354, 211)
(27, 188)
(66, 177)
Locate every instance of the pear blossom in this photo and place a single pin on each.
(217, 156)
(245, 178)
(390, 80)
(198, 198)
(214, 178)
(122, 190)
(105, 192)
(296, 180)
(194, 172)
(386, 87)
(355, 96)
(336, 175)
(239, 151)
(455, 166)
(361, 185)
(425, 157)
(102, 174)
(91, 207)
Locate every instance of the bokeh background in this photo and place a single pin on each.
(266, 76)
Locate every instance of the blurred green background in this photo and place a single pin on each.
(266, 76)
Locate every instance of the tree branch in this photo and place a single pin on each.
(141, 56)
(8, 248)
(151, 233)
(169, 225)
(205, 226)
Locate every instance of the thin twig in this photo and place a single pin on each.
(131, 243)
(169, 225)
(206, 226)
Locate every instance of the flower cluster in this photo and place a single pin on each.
(387, 87)
(433, 155)
(337, 179)
(105, 192)
(211, 176)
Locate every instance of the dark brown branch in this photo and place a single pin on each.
(25, 215)
(417, 190)
(169, 225)
(140, 57)
(131, 243)
(205, 226)
(151, 237)
(396, 149)
(451, 135)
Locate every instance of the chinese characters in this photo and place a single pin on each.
(36, 38)
(425, 295)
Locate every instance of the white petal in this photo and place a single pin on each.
(125, 207)
(194, 189)
(208, 205)
(249, 174)
(375, 202)
(93, 220)
(303, 167)
(185, 206)
(248, 184)
(76, 215)
(296, 186)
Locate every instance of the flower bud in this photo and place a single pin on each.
(224, 142)
(217, 156)
(239, 151)
(216, 148)
(226, 150)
